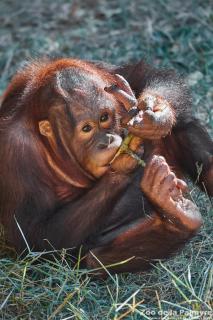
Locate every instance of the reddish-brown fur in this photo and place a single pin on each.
(58, 200)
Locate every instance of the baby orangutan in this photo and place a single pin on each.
(61, 124)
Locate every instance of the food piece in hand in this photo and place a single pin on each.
(125, 159)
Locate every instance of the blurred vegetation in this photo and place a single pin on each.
(177, 34)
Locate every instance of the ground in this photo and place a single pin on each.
(177, 34)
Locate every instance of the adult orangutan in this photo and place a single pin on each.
(61, 123)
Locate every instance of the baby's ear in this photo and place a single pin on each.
(45, 128)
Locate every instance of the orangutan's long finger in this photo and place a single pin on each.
(182, 185)
(124, 84)
(123, 97)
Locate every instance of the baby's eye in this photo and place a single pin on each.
(104, 117)
(87, 128)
